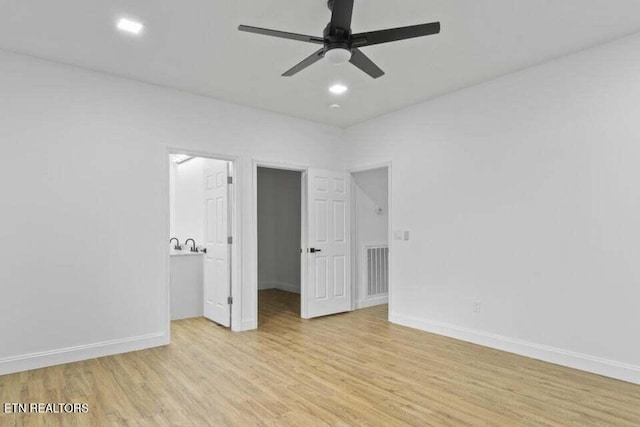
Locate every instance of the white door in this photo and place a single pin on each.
(217, 279)
(327, 288)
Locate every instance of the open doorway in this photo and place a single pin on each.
(279, 218)
(371, 248)
(322, 241)
(200, 226)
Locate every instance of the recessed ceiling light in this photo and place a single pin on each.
(338, 89)
(129, 26)
(334, 106)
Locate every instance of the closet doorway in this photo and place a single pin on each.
(279, 213)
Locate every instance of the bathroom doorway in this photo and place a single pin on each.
(201, 234)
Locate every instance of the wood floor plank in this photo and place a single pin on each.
(354, 369)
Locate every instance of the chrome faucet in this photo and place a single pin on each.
(193, 248)
(177, 247)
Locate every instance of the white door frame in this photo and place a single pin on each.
(365, 168)
(303, 224)
(236, 228)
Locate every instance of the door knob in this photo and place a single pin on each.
(314, 250)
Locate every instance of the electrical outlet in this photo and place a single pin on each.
(477, 306)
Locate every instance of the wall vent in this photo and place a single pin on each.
(377, 270)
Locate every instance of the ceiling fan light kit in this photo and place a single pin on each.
(340, 45)
(338, 55)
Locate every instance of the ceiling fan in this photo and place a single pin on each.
(339, 45)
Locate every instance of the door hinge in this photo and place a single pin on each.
(229, 300)
(229, 240)
(229, 180)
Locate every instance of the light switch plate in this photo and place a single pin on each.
(397, 235)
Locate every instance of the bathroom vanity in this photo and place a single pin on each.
(186, 284)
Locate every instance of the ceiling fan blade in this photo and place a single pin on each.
(281, 34)
(363, 62)
(310, 60)
(395, 34)
(341, 14)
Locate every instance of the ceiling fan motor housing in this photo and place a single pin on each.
(339, 45)
(336, 38)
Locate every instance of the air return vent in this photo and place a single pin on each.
(377, 270)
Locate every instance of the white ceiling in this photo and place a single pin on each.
(194, 45)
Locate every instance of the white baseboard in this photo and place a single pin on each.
(372, 301)
(245, 325)
(43, 359)
(583, 362)
(288, 287)
(280, 285)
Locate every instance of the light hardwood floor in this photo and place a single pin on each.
(349, 369)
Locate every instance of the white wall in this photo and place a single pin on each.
(279, 222)
(172, 200)
(371, 225)
(188, 200)
(84, 259)
(522, 193)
